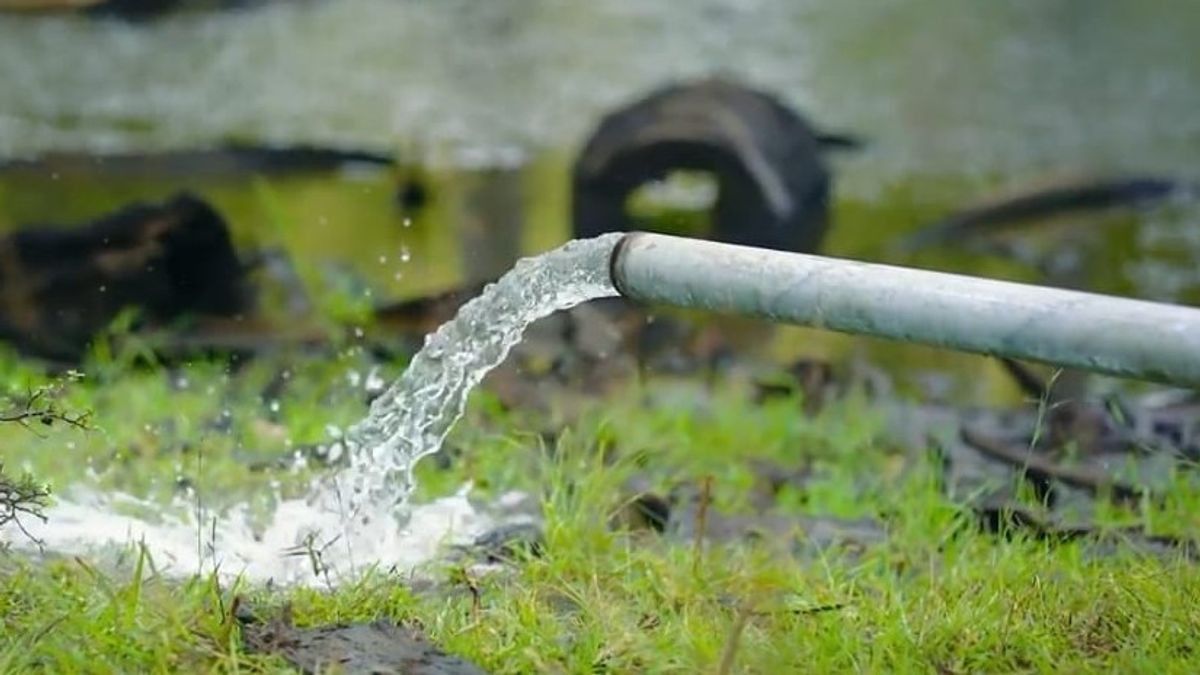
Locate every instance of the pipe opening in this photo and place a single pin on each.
(614, 263)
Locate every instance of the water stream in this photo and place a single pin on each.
(412, 418)
(953, 98)
(360, 516)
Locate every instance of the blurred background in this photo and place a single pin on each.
(394, 150)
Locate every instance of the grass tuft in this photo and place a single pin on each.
(936, 595)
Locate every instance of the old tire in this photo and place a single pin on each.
(773, 185)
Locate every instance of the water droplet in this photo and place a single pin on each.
(409, 421)
(374, 381)
(419, 410)
(273, 406)
(407, 221)
(405, 255)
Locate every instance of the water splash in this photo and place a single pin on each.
(411, 419)
(360, 516)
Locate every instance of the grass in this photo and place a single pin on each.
(938, 596)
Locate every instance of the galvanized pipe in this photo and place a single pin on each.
(1103, 334)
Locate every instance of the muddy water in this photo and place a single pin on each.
(490, 101)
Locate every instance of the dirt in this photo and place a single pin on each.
(375, 648)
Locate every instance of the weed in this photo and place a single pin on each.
(935, 595)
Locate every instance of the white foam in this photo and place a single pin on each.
(90, 524)
(360, 515)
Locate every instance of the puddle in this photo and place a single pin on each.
(1004, 89)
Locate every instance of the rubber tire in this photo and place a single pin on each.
(773, 183)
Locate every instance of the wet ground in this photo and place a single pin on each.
(377, 647)
(483, 106)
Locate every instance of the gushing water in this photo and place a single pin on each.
(361, 516)
(411, 419)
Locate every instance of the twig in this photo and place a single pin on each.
(802, 611)
(701, 523)
(21, 498)
(47, 416)
(461, 575)
(1040, 468)
(729, 653)
(316, 555)
(24, 497)
(39, 405)
(1052, 528)
(1028, 381)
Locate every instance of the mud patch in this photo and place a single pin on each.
(378, 647)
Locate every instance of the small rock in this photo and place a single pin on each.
(644, 511)
(509, 540)
(375, 648)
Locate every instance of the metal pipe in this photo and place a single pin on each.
(1102, 334)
